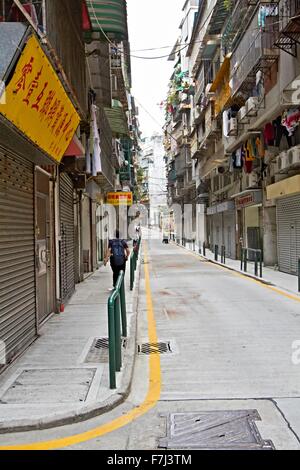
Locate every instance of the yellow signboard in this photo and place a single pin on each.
(37, 104)
(120, 199)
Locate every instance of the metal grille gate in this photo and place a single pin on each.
(17, 254)
(67, 244)
(288, 220)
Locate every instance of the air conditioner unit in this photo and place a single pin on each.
(282, 162)
(242, 114)
(253, 180)
(233, 127)
(252, 105)
(293, 157)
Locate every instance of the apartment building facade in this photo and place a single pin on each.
(66, 136)
(244, 139)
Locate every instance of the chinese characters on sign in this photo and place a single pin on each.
(120, 199)
(37, 104)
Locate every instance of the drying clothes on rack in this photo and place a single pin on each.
(269, 134)
(260, 146)
(281, 131)
(290, 120)
(247, 161)
(237, 160)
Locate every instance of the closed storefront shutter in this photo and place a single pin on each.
(17, 254)
(229, 234)
(67, 244)
(288, 221)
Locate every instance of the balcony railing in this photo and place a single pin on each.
(255, 52)
(289, 27)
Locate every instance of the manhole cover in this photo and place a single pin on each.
(154, 348)
(99, 352)
(214, 430)
(35, 386)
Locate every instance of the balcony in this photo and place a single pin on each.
(255, 52)
(289, 27)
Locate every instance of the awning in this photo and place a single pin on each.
(117, 121)
(75, 148)
(223, 70)
(109, 16)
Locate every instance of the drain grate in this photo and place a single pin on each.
(214, 430)
(99, 351)
(155, 348)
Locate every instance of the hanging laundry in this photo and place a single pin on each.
(269, 134)
(225, 123)
(97, 167)
(290, 120)
(259, 142)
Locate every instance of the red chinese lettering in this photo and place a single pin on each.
(33, 85)
(46, 106)
(53, 110)
(26, 70)
(36, 105)
(57, 118)
(62, 124)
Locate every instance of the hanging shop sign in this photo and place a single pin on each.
(120, 199)
(249, 199)
(37, 104)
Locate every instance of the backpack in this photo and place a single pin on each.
(118, 254)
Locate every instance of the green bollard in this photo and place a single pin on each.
(111, 335)
(118, 334)
(123, 309)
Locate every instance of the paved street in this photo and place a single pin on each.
(231, 342)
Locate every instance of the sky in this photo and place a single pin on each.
(152, 23)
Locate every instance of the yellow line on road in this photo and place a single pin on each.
(235, 273)
(151, 400)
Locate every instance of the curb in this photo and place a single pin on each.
(242, 273)
(99, 408)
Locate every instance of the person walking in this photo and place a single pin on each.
(118, 253)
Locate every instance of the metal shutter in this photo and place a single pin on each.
(67, 244)
(288, 221)
(229, 233)
(17, 254)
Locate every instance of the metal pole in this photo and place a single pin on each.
(118, 333)
(245, 259)
(299, 275)
(260, 264)
(111, 343)
(216, 252)
(242, 255)
(256, 263)
(204, 249)
(123, 309)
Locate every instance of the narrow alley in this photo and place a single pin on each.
(228, 359)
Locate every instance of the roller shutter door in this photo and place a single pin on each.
(67, 244)
(288, 221)
(229, 233)
(17, 254)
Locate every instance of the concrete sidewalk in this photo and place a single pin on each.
(62, 378)
(270, 275)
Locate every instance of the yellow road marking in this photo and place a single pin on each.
(151, 400)
(235, 273)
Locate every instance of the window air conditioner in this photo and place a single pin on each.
(233, 127)
(252, 105)
(253, 180)
(242, 114)
(293, 156)
(282, 162)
